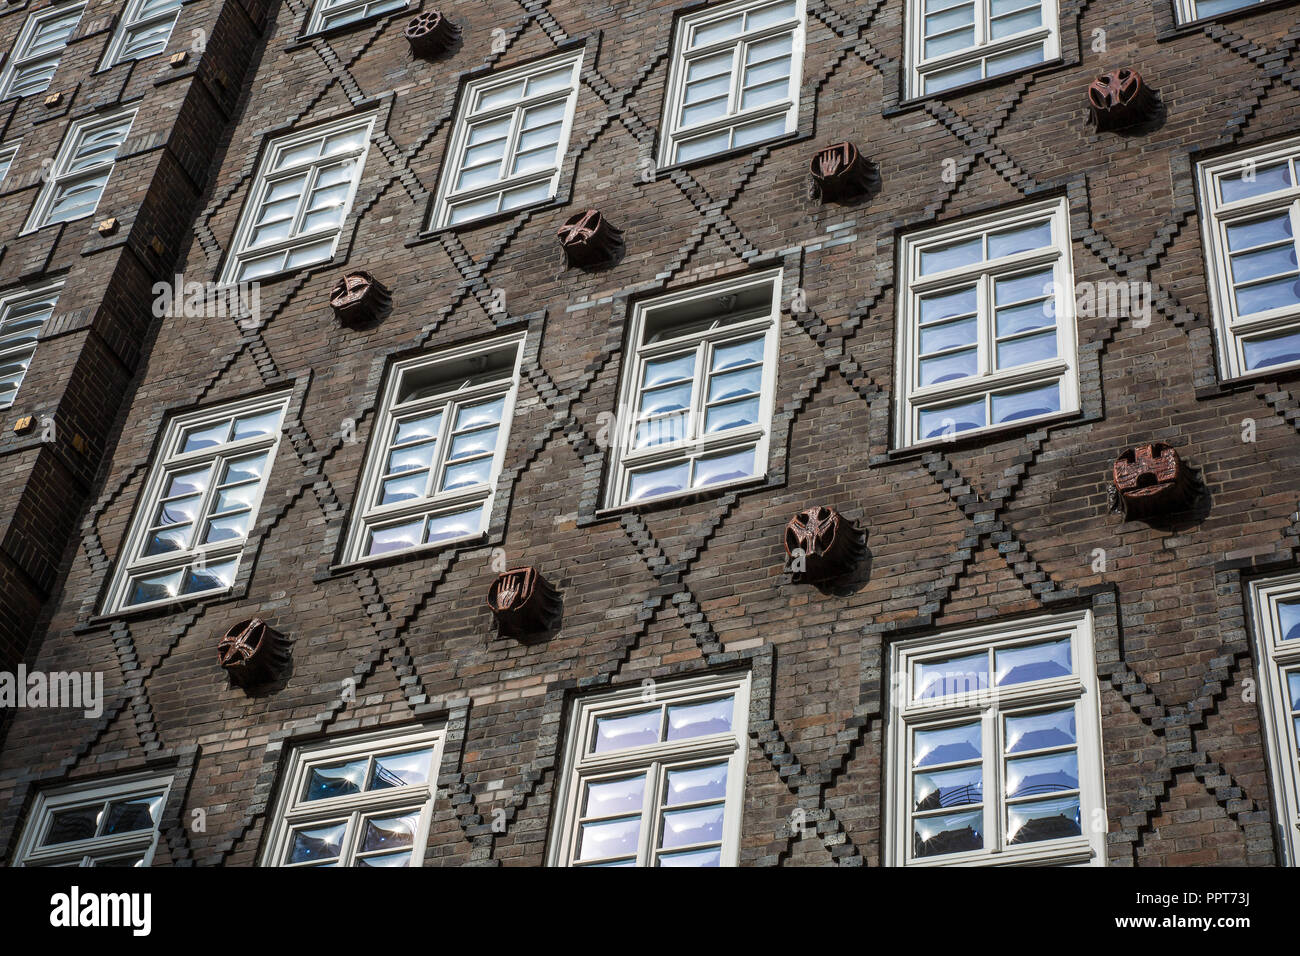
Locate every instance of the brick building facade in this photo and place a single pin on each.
(1127, 688)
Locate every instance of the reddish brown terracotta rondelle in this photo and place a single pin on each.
(589, 239)
(524, 603)
(823, 544)
(358, 298)
(1152, 479)
(1119, 99)
(253, 653)
(839, 172)
(431, 34)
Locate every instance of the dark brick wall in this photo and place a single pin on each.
(91, 347)
(987, 528)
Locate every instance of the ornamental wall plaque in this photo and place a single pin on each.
(253, 653)
(839, 172)
(1151, 479)
(524, 603)
(359, 298)
(431, 34)
(822, 544)
(1119, 99)
(589, 239)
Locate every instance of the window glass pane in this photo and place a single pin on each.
(78, 823)
(250, 426)
(1036, 235)
(317, 843)
(626, 730)
(947, 305)
(1022, 318)
(732, 415)
(951, 419)
(948, 833)
(686, 827)
(137, 813)
(605, 838)
(734, 354)
(695, 784)
(703, 146)
(607, 798)
(650, 482)
(938, 338)
(750, 133)
(1255, 180)
(1016, 60)
(1288, 614)
(947, 79)
(1017, 665)
(770, 15)
(661, 371)
(404, 488)
(1275, 294)
(211, 577)
(401, 770)
(467, 474)
(949, 42)
(1020, 288)
(481, 413)
(333, 780)
(386, 859)
(948, 788)
(1036, 731)
(479, 442)
(1293, 688)
(947, 745)
(946, 368)
(717, 30)
(698, 719)
(155, 587)
(963, 253)
(1263, 263)
(460, 524)
(670, 399)
(692, 858)
(1257, 232)
(1023, 351)
(661, 430)
(954, 675)
(1043, 820)
(1033, 775)
(1012, 406)
(550, 81)
(711, 471)
(389, 833)
(735, 384)
(1007, 26)
(192, 481)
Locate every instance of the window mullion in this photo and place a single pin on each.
(440, 449)
(300, 215)
(649, 814)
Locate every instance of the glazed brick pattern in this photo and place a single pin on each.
(986, 528)
(90, 349)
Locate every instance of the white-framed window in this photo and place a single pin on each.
(432, 467)
(198, 504)
(995, 747)
(143, 31)
(1189, 10)
(102, 823)
(302, 195)
(654, 776)
(38, 49)
(512, 130)
(336, 13)
(22, 313)
(695, 406)
(81, 169)
(362, 800)
(1276, 607)
(986, 324)
(955, 42)
(734, 80)
(7, 154)
(1251, 227)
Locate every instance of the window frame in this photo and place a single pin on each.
(130, 563)
(18, 297)
(318, 11)
(47, 803)
(1186, 13)
(366, 515)
(277, 145)
(24, 38)
(990, 706)
(1231, 330)
(1275, 658)
(292, 812)
(1063, 369)
(77, 132)
(581, 765)
(447, 197)
(918, 66)
(8, 153)
(624, 459)
(131, 22)
(672, 135)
